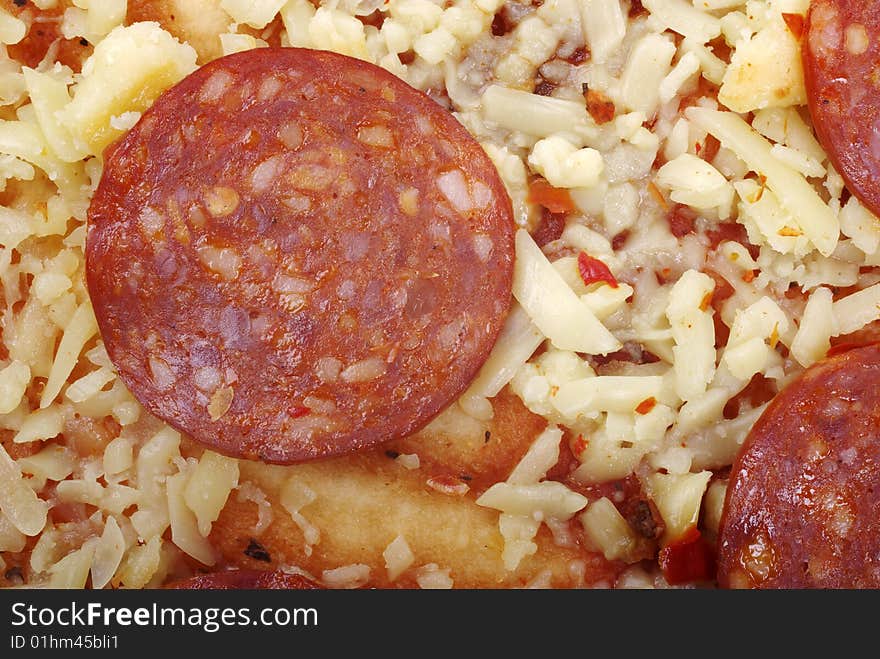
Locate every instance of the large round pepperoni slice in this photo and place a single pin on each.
(246, 580)
(803, 503)
(841, 55)
(294, 254)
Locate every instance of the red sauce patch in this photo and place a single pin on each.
(556, 200)
(600, 107)
(681, 220)
(646, 405)
(687, 560)
(795, 24)
(550, 228)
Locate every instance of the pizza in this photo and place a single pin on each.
(439, 294)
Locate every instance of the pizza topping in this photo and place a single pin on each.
(363, 265)
(592, 271)
(798, 510)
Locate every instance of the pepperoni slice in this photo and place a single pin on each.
(841, 56)
(804, 497)
(294, 254)
(246, 580)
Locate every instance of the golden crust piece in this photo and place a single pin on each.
(44, 34)
(365, 501)
(198, 23)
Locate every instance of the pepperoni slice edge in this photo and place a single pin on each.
(841, 60)
(804, 494)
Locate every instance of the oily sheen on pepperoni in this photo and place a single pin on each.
(841, 56)
(246, 580)
(803, 502)
(294, 254)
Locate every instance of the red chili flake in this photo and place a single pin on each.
(681, 220)
(748, 276)
(706, 302)
(728, 231)
(795, 24)
(710, 148)
(763, 180)
(600, 107)
(619, 240)
(636, 9)
(578, 56)
(555, 200)
(375, 19)
(502, 23)
(774, 336)
(646, 405)
(550, 228)
(592, 270)
(690, 558)
(579, 445)
(298, 411)
(544, 87)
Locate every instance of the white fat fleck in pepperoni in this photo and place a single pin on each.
(221, 201)
(328, 369)
(364, 370)
(207, 379)
(440, 232)
(310, 177)
(165, 263)
(378, 136)
(408, 200)
(424, 125)
(223, 261)
(235, 329)
(825, 32)
(221, 401)
(297, 203)
(454, 187)
(346, 290)
(848, 456)
(291, 135)
(388, 94)
(838, 515)
(309, 91)
(345, 186)
(261, 325)
(319, 405)
(197, 217)
(265, 173)
(482, 195)
(355, 245)
(215, 86)
(269, 89)
(291, 302)
(261, 261)
(163, 376)
(151, 221)
(284, 283)
(450, 334)
(856, 39)
(398, 297)
(483, 246)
